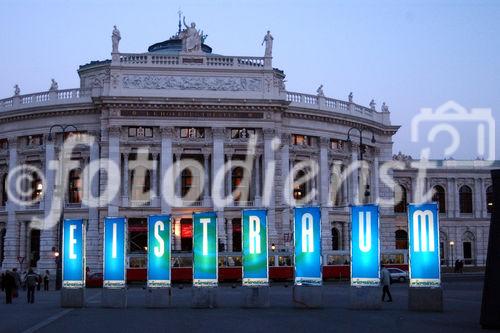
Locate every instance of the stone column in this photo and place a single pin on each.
(125, 180)
(48, 236)
(478, 203)
(229, 173)
(354, 176)
(456, 198)
(450, 198)
(178, 180)
(206, 177)
(324, 171)
(114, 157)
(23, 244)
(166, 185)
(94, 246)
(257, 198)
(217, 156)
(154, 181)
(230, 235)
(269, 159)
(11, 246)
(375, 179)
(285, 199)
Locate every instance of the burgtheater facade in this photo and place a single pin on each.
(181, 101)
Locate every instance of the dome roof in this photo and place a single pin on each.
(173, 45)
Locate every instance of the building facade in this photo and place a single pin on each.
(180, 101)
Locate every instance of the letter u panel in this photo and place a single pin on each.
(115, 233)
(423, 231)
(159, 251)
(73, 254)
(254, 246)
(307, 239)
(365, 245)
(205, 260)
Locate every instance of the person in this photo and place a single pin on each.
(38, 281)
(385, 279)
(457, 265)
(31, 282)
(8, 283)
(17, 281)
(46, 279)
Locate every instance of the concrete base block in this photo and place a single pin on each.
(204, 297)
(308, 296)
(255, 297)
(72, 297)
(365, 298)
(425, 299)
(158, 297)
(114, 297)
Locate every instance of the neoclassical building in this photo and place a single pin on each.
(182, 101)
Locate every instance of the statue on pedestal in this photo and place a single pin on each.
(115, 38)
(17, 90)
(384, 107)
(268, 39)
(53, 85)
(372, 104)
(191, 38)
(320, 91)
(351, 96)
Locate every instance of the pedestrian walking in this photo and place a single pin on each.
(31, 282)
(9, 284)
(46, 279)
(385, 279)
(17, 279)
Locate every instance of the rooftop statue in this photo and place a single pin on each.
(191, 37)
(320, 91)
(268, 39)
(372, 104)
(351, 97)
(17, 90)
(384, 107)
(115, 38)
(53, 85)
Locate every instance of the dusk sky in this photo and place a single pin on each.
(410, 54)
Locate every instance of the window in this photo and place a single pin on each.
(400, 206)
(140, 178)
(299, 191)
(467, 248)
(4, 144)
(34, 140)
(401, 240)
(4, 190)
(335, 239)
(192, 133)
(336, 144)
(34, 247)
(238, 187)
(75, 186)
(75, 135)
(439, 196)
(186, 234)
(465, 199)
(137, 236)
(236, 235)
(36, 187)
(140, 132)
(489, 199)
(187, 181)
(241, 133)
(301, 140)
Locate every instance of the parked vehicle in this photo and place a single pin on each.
(398, 274)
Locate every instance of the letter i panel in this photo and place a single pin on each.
(115, 235)
(307, 239)
(159, 251)
(205, 260)
(73, 254)
(254, 247)
(423, 232)
(365, 245)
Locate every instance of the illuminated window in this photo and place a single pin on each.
(75, 186)
(77, 135)
(237, 185)
(186, 234)
(34, 140)
(401, 240)
(36, 187)
(302, 140)
(489, 199)
(439, 196)
(241, 133)
(299, 190)
(337, 144)
(137, 235)
(465, 199)
(400, 206)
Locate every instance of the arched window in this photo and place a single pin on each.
(299, 190)
(75, 186)
(468, 247)
(489, 199)
(465, 199)
(238, 187)
(335, 239)
(401, 239)
(187, 181)
(400, 206)
(439, 196)
(4, 190)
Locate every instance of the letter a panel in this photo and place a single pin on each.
(254, 246)
(365, 246)
(307, 240)
(115, 235)
(159, 251)
(423, 231)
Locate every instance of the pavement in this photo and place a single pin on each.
(462, 303)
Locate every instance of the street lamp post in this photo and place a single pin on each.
(452, 243)
(361, 147)
(58, 251)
